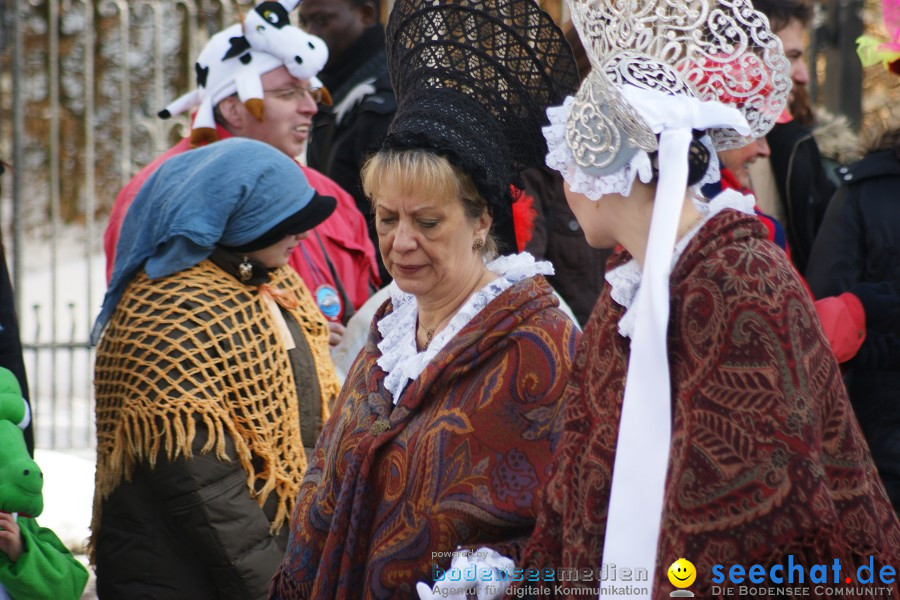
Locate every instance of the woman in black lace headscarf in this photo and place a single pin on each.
(443, 431)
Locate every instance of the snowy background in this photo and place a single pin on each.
(66, 422)
(68, 495)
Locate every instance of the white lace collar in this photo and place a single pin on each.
(626, 279)
(401, 360)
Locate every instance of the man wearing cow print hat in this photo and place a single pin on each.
(257, 79)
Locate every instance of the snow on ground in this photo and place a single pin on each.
(68, 494)
(68, 498)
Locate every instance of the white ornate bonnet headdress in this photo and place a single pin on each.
(235, 58)
(661, 71)
(708, 51)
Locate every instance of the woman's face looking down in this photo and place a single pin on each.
(278, 254)
(426, 243)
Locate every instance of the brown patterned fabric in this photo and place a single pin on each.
(393, 490)
(767, 458)
(198, 346)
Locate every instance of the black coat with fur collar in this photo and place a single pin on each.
(858, 250)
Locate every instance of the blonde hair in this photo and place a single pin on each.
(423, 173)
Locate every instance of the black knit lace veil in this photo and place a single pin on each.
(473, 80)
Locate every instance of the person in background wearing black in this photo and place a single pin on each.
(557, 236)
(803, 188)
(10, 344)
(363, 101)
(855, 255)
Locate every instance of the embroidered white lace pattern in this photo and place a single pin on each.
(401, 360)
(561, 158)
(625, 280)
(715, 51)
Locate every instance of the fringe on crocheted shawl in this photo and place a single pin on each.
(200, 349)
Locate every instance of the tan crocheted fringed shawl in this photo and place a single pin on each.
(195, 348)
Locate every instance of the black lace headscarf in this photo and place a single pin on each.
(473, 79)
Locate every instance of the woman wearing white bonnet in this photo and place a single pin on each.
(706, 417)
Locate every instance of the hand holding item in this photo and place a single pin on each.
(484, 575)
(10, 537)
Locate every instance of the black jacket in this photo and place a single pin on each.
(858, 250)
(802, 185)
(10, 344)
(344, 134)
(187, 530)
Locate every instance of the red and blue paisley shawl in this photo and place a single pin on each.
(467, 449)
(767, 458)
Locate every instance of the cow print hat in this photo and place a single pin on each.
(235, 58)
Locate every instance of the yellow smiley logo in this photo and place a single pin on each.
(682, 573)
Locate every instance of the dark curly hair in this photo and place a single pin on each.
(781, 12)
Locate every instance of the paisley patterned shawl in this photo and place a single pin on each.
(468, 447)
(767, 457)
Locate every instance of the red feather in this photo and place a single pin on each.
(523, 216)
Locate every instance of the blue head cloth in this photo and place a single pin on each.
(227, 193)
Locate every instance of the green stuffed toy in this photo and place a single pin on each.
(34, 563)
